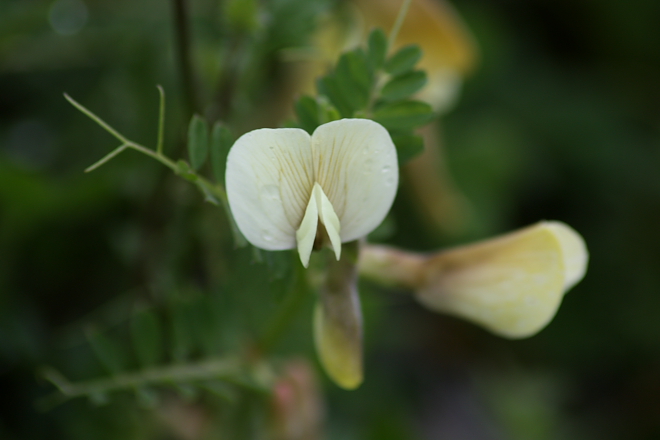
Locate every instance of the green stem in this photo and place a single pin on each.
(106, 158)
(225, 369)
(399, 22)
(161, 121)
(96, 119)
(208, 188)
(153, 154)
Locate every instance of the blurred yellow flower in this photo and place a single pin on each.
(512, 284)
(449, 48)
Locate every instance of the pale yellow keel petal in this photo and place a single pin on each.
(306, 233)
(329, 218)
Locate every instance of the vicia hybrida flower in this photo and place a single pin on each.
(287, 189)
(512, 285)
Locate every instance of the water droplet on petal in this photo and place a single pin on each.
(386, 169)
(270, 192)
(368, 166)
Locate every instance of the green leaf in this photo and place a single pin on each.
(221, 142)
(348, 88)
(354, 79)
(198, 141)
(377, 48)
(404, 60)
(146, 334)
(307, 110)
(184, 170)
(109, 353)
(403, 86)
(408, 145)
(146, 397)
(329, 87)
(403, 115)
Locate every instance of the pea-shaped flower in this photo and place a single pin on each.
(287, 189)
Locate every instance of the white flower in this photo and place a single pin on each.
(287, 189)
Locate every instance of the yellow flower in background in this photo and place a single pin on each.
(449, 48)
(512, 285)
(287, 189)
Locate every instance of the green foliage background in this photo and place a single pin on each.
(127, 267)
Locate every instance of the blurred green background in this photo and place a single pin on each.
(561, 120)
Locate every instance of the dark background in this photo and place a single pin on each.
(561, 120)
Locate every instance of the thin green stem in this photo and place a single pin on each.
(96, 119)
(399, 22)
(230, 368)
(215, 193)
(161, 121)
(151, 153)
(106, 158)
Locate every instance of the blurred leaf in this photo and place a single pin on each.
(221, 389)
(407, 146)
(198, 141)
(182, 328)
(147, 338)
(354, 78)
(205, 326)
(329, 87)
(348, 88)
(108, 351)
(241, 13)
(146, 397)
(184, 170)
(404, 60)
(221, 142)
(307, 110)
(280, 264)
(402, 86)
(187, 391)
(377, 48)
(403, 115)
(99, 399)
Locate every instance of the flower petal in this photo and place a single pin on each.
(269, 182)
(329, 218)
(355, 163)
(306, 234)
(511, 285)
(318, 209)
(574, 251)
